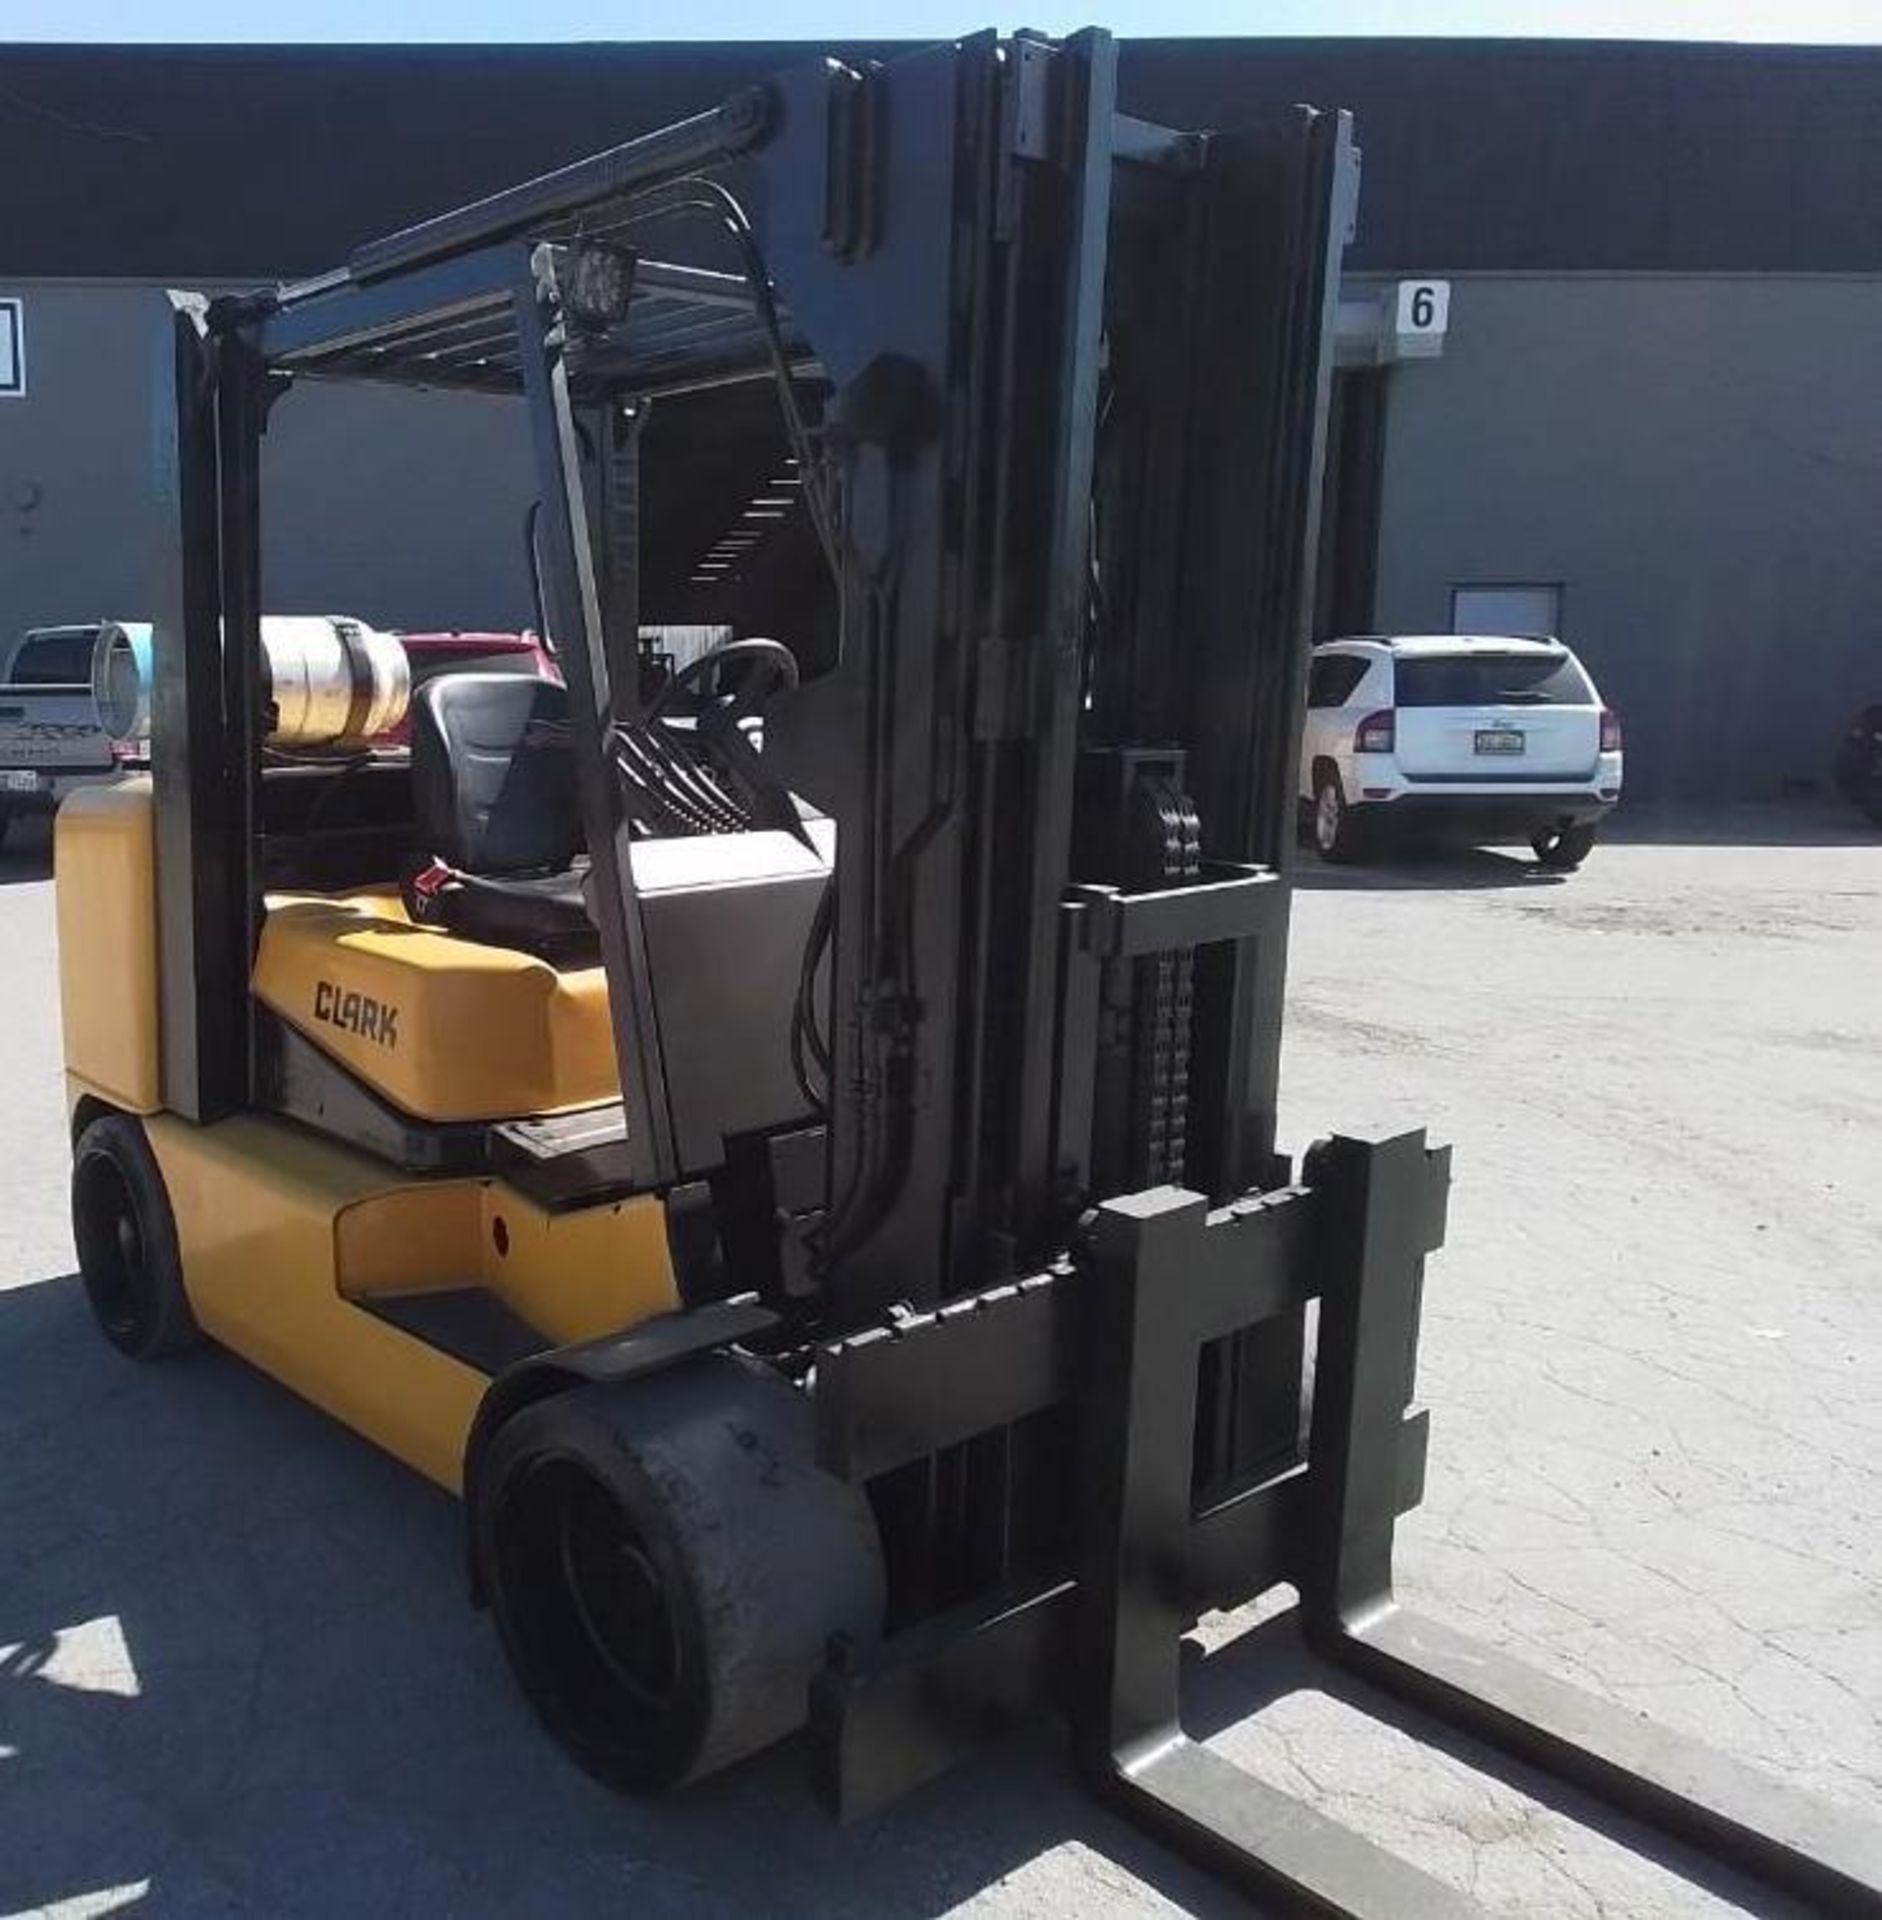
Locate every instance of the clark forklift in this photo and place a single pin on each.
(793, 1147)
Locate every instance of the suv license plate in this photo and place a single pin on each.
(15, 780)
(1499, 740)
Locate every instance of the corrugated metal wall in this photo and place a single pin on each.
(251, 161)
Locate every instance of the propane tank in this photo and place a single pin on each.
(331, 682)
(326, 681)
(120, 680)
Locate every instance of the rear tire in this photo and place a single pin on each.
(667, 1564)
(1563, 849)
(1338, 836)
(127, 1246)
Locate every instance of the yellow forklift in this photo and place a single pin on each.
(791, 1141)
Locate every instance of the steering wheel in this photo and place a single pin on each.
(770, 669)
(718, 730)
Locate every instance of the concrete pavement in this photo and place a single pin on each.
(237, 1675)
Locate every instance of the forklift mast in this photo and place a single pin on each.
(1054, 381)
(1072, 489)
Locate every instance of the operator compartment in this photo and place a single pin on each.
(474, 991)
(449, 1028)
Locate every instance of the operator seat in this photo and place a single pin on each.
(499, 826)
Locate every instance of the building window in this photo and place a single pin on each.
(12, 349)
(1525, 609)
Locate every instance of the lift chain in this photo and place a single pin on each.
(1166, 850)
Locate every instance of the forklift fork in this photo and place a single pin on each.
(1382, 1210)
(1122, 1332)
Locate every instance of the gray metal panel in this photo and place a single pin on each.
(356, 479)
(79, 504)
(750, 897)
(1692, 460)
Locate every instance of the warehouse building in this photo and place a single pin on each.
(1611, 327)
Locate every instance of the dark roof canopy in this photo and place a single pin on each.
(238, 162)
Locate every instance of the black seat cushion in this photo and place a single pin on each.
(493, 786)
(541, 913)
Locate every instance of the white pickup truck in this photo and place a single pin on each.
(52, 735)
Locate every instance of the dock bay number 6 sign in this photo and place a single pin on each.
(1421, 315)
(12, 350)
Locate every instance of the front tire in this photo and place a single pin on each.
(127, 1246)
(667, 1564)
(1563, 849)
(1338, 836)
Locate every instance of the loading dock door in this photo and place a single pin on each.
(1349, 510)
(1529, 610)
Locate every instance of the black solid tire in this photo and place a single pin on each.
(1346, 841)
(1563, 849)
(731, 1561)
(125, 1233)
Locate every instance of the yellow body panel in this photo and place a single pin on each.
(281, 1233)
(255, 1203)
(105, 868)
(582, 1273)
(572, 1276)
(284, 1235)
(446, 1029)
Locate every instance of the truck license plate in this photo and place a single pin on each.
(15, 780)
(1499, 740)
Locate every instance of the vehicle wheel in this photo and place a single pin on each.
(1338, 837)
(1563, 849)
(6, 821)
(667, 1564)
(126, 1239)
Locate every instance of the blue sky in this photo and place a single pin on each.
(421, 20)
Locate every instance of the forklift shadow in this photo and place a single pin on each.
(238, 1674)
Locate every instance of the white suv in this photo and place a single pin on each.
(1471, 737)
